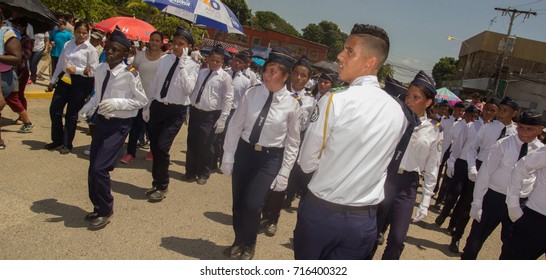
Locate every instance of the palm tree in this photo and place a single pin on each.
(385, 71)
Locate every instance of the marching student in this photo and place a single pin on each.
(488, 204)
(528, 240)
(168, 97)
(210, 106)
(118, 98)
(260, 149)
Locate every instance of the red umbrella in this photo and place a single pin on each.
(134, 29)
(232, 50)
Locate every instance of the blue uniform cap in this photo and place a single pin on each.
(303, 61)
(244, 56)
(427, 82)
(119, 37)
(471, 109)
(395, 88)
(330, 75)
(459, 105)
(282, 56)
(444, 103)
(531, 117)
(494, 100)
(509, 102)
(181, 31)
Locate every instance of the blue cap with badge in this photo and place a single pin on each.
(119, 37)
(303, 61)
(427, 82)
(510, 103)
(180, 31)
(531, 117)
(282, 56)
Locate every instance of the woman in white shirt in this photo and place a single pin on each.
(73, 82)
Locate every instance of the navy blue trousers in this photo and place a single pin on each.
(441, 172)
(397, 208)
(461, 212)
(529, 237)
(107, 140)
(326, 234)
(73, 97)
(460, 179)
(253, 174)
(201, 138)
(219, 143)
(165, 123)
(135, 133)
(494, 212)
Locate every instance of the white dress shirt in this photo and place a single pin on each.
(446, 124)
(364, 127)
(217, 94)
(182, 82)
(251, 76)
(423, 153)
(459, 140)
(240, 85)
(308, 103)
(123, 86)
(495, 171)
(81, 56)
(534, 163)
(485, 139)
(281, 127)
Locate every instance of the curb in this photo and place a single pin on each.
(38, 95)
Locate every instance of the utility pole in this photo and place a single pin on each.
(513, 13)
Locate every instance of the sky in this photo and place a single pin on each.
(418, 29)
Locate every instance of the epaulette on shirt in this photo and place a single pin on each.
(296, 96)
(337, 89)
(132, 70)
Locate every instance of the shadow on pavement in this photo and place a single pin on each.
(432, 227)
(72, 216)
(34, 145)
(219, 217)
(193, 248)
(130, 190)
(424, 244)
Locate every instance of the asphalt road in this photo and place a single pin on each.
(43, 199)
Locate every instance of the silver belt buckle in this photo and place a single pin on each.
(258, 148)
(165, 103)
(400, 171)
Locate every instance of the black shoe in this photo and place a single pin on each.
(100, 222)
(248, 253)
(91, 216)
(271, 230)
(201, 181)
(150, 191)
(52, 146)
(454, 246)
(188, 178)
(440, 220)
(64, 150)
(234, 251)
(157, 195)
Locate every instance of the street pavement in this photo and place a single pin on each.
(43, 200)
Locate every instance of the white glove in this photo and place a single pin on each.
(183, 58)
(476, 213)
(107, 106)
(472, 173)
(82, 116)
(227, 168)
(219, 127)
(423, 209)
(449, 171)
(279, 184)
(146, 114)
(515, 213)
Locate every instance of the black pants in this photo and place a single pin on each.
(73, 97)
(297, 182)
(219, 143)
(397, 208)
(134, 134)
(106, 143)
(461, 212)
(460, 179)
(529, 237)
(201, 137)
(253, 174)
(165, 123)
(441, 174)
(54, 61)
(494, 212)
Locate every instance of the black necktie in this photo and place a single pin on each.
(259, 124)
(522, 151)
(502, 134)
(233, 75)
(94, 116)
(167, 82)
(202, 88)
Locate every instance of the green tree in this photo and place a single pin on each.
(385, 71)
(267, 19)
(93, 10)
(327, 33)
(444, 70)
(240, 10)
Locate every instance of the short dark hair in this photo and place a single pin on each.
(83, 23)
(377, 39)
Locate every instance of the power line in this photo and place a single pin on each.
(538, 1)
